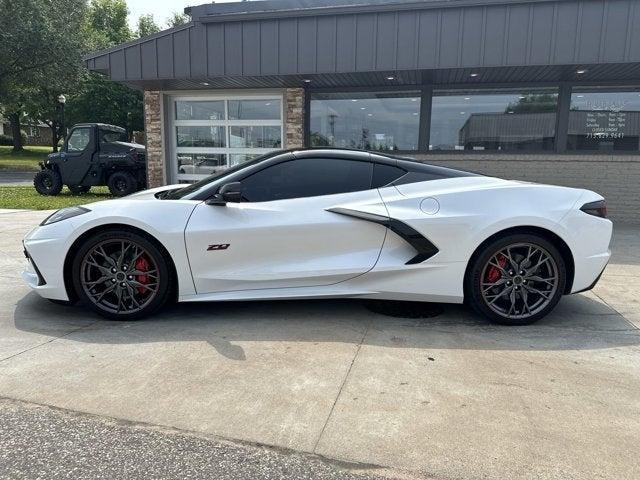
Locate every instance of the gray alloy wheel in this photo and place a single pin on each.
(121, 275)
(518, 280)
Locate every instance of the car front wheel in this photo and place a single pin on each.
(517, 279)
(47, 182)
(121, 275)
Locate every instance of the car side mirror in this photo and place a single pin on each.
(229, 192)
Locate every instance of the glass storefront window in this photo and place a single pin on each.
(365, 120)
(254, 110)
(199, 110)
(255, 137)
(212, 137)
(604, 120)
(493, 120)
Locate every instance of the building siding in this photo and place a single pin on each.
(508, 35)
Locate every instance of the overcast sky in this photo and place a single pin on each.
(161, 9)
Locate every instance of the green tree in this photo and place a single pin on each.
(36, 47)
(147, 25)
(100, 100)
(107, 23)
(177, 19)
(534, 103)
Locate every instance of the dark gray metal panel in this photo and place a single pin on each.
(589, 31)
(633, 38)
(307, 38)
(233, 48)
(251, 48)
(215, 49)
(494, 36)
(198, 50)
(387, 37)
(269, 47)
(401, 37)
(472, 31)
(133, 63)
(326, 44)
(541, 33)
(428, 39)
(407, 46)
(616, 27)
(288, 46)
(517, 35)
(365, 42)
(565, 35)
(117, 65)
(346, 39)
(165, 56)
(148, 59)
(182, 61)
(450, 38)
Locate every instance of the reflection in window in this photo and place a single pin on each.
(237, 158)
(201, 163)
(199, 110)
(254, 109)
(369, 121)
(255, 137)
(78, 140)
(496, 120)
(212, 137)
(604, 120)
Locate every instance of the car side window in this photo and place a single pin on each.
(78, 140)
(385, 174)
(307, 177)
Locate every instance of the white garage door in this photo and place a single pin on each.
(211, 133)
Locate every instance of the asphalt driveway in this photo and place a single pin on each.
(444, 397)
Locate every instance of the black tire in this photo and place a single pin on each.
(47, 182)
(78, 189)
(82, 267)
(521, 292)
(122, 183)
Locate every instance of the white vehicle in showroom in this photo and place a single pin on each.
(327, 223)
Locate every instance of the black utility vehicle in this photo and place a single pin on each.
(94, 154)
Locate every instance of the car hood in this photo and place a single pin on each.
(152, 192)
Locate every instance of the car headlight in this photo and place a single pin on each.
(63, 214)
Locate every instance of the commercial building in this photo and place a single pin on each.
(544, 90)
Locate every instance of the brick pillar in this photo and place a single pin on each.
(294, 117)
(153, 136)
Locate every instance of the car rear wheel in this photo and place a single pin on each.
(47, 182)
(122, 183)
(121, 275)
(517, 279)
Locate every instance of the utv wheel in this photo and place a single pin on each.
(78, 189)
(121, 275)
(122, 183)
(517, 279)
(47, 182)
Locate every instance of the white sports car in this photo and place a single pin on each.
(327, 223)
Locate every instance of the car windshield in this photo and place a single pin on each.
(205, 182)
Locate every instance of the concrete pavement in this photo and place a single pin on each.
(446, 397)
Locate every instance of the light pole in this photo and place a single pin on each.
(61, 101)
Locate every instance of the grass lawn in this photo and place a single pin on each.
(28, 198)
(26, 161)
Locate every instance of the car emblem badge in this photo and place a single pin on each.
(218, 246)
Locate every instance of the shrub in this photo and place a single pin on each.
(8, 139)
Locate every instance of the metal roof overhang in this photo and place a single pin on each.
(282, 43)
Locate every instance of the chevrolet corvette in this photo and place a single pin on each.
(327, 223)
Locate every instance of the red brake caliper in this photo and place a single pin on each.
(494, 274)
(142, 265)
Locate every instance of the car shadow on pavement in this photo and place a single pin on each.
(580, 322)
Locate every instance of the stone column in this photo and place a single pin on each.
(294, 117)
(153, 135)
